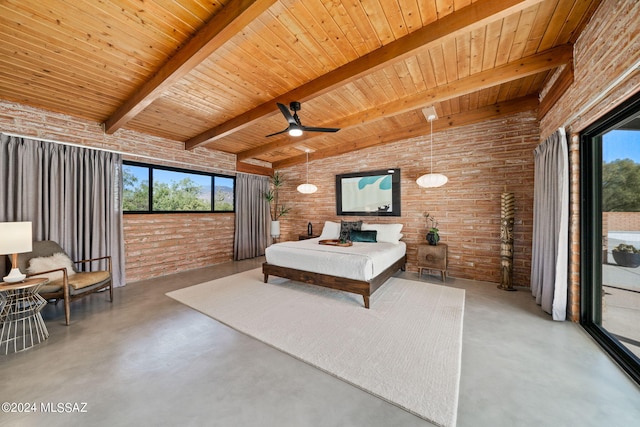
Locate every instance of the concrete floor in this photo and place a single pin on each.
(148, 360)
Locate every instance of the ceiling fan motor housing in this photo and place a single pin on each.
(294, 106)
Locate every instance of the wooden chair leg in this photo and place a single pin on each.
(67, 311)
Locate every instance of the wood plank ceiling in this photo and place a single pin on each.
(209, 73)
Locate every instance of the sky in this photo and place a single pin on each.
(621, 144)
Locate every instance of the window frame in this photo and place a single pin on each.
(591, 235)
(212, 176)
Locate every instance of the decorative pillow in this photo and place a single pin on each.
(347, 226)
(330, 231)
(46, 263)
(386, 232)
(363, 236)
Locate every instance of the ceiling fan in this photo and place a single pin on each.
(295, 127)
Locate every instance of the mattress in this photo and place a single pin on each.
(362, 261)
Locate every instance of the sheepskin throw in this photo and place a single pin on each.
(59, 260)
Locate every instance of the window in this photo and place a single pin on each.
(156, 189)
(610, 221)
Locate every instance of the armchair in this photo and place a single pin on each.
(72, 284)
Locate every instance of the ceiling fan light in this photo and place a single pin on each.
(307, 188)
(431, 180)
(295, 131)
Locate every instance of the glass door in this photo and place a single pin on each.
(620, 184)
(610, 219)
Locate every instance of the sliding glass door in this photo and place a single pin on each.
(610, 226)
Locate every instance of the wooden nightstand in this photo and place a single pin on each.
(432, 257)
(306, 236)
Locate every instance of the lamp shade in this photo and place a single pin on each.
(431, 180)
(15, 237)
(307, 188)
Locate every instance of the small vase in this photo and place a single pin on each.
(433, 238)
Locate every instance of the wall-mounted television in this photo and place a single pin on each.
(372, 193)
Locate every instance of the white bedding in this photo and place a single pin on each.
(362, 261)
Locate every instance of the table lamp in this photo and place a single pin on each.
(15, 238)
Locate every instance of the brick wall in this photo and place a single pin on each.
(155, 245)
(481, 161)
(603, 54)
(620, 221)
(617, 221)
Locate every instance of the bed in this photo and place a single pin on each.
(361, 268)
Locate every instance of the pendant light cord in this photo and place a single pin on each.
(431, 167)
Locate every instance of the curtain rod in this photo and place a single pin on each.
(603, 93)
(143, 156)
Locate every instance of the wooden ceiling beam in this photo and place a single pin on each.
(560, 86)
(236, 15)
(510, 71)
(474, 16)
(490, 112)
(253, 169)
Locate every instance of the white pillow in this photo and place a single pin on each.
(46, 263)
(330, 231)
(386, 232)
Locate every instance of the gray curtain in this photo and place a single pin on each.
(549, 262)
(252, 216)
(71, 194)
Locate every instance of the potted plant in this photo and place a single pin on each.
(433, 237)
(276, 209)
(626, 255)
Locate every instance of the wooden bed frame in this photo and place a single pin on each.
(361, 287)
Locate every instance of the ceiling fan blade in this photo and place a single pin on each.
(294, 121)
(277, 133)
(314, 129)
(287, 114)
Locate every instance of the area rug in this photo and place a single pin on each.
(406, 349)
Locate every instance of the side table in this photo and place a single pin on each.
(22, 324)
(433, 257)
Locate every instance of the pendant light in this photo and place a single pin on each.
(431, 179)
(307, 188)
